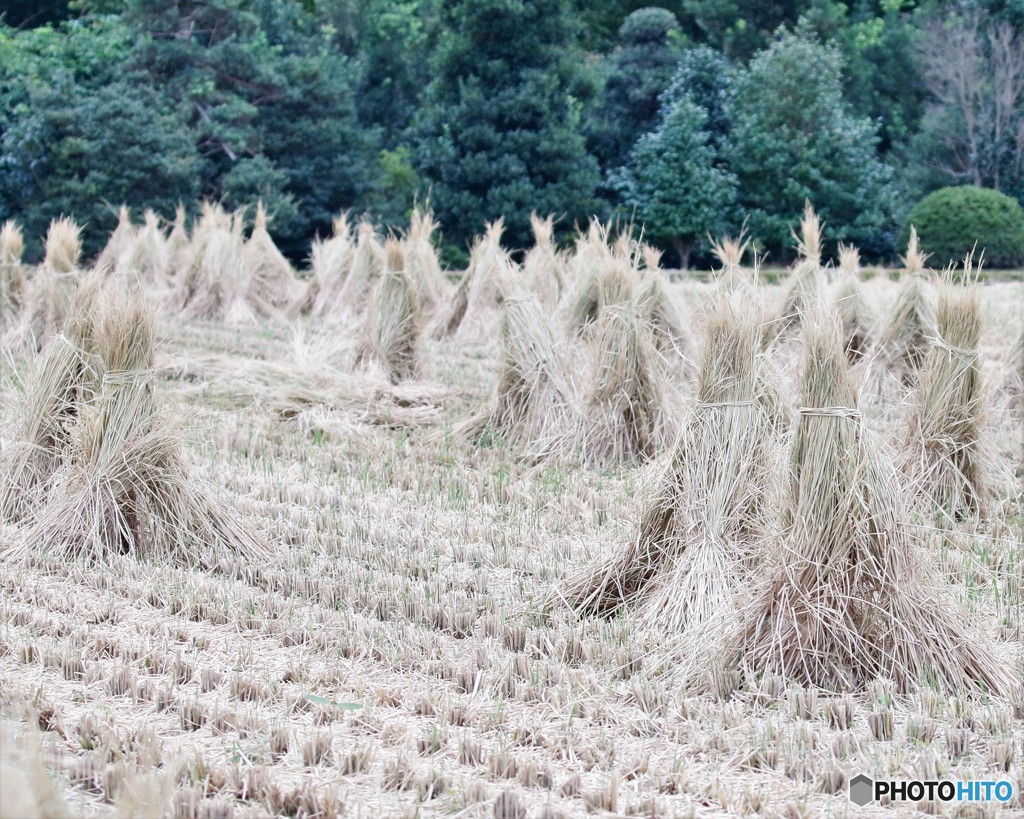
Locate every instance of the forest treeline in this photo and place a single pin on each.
(690, 118)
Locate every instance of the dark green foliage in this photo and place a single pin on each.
(881, 80)
(740, 27)
(635, 75)
(76, 139)
(29, 13)
(793, 139)
(500, 107)
(671, 183)
(310, 129)
(953, 221)
(704, 76)
(498, 131)
(395, 42)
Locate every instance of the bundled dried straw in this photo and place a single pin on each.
(531, 402)
(712, 510)
(803, 287)
(122, 487)
(149, 256)
(656, 305)
(330, 260)
(472, 311)
(12, 274)
(915, 260)
(218, 283)
(178, 244)
(392, 325)
(944, 435)
(542, 267)
(609, 280)
(850, 304)
(729, 252)
(366, 268)
(904, 340)
(651, 256)
(421, 262)
(625, 413)
(116, 254)
(850, 600)
(273, 279)
(29, 790)
(65, 376)
(51, 290)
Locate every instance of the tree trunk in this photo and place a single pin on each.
(682, 247)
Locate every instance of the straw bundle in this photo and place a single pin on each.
(850, 304)
(611, 280)
(329, 262)
(803, 287)
(366, 268)
(421, 262)
(218, 283)
(149, 256)
(730, 252)
(850, 600)
(177, 244)
(656, 306)
(1017, 356)
(392, 325)
(12, 274)
(121, 487)
(118, 248)
(478, 294)
(63, 246)
(51, 290)
(944, 434)
(273, 279)
(711, 510)
(915, 260)
(651, 256)
(29, 790)
(905, 338)
(64, 376)
(590, 252)
(531, 402)
(542, 267)
(624, 415)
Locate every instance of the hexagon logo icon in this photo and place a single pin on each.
(861, 790)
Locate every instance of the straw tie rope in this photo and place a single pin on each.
(962, 352)
(117, 377)
(832, 412)
(712, 404)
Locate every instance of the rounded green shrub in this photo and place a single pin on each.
(951, 221)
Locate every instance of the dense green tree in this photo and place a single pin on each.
(634, 76)
(704, 76)
(79, 136)
(498, 132)
(309, 129)
(394, 47)
(881, 80)
(739, 28)
(672, 185)
(270, 104)
(952, 222)
(792, 138)
(600, 23)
